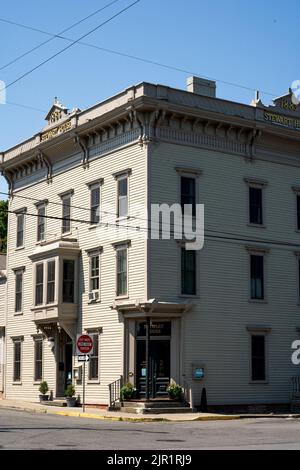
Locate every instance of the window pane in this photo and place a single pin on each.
(41, 223)
(38, 366)
(17, 361)
(257, 277)
(258, 358)
(20, 230)
(66, 223)
(122, 197)
(39, 284)
(50, 281)
(188, 193)
(94, 359)
(95, 205)
(298, 212)
(19, 288)
(188, 272)
(94, 272)
(68, 281)
(122, 272)
(255, 198)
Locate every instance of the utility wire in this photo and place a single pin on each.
(140, 59)
(217, 234)
(71, 45)
(53, 36)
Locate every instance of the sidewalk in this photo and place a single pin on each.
(95, 413)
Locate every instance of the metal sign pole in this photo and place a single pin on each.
(83, 392)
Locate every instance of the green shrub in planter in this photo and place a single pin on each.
(127, 391)
(175, 391)
(43, 389)
(69, 393)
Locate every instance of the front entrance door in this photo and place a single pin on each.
(64, 363)
(159, 363)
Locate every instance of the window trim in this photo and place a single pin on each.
(45, 262)
(38, 338)
(257, 184)
(189, 296)
(93, 332)
(20, 340)
(91, 185)
(63, 196)
(91, 254)
(296, 190)
(118, 247)
(20, 212)
(258, 251)
(121, 175)
(39, 263)
(16, 272)
(39, 205)
(259, 331)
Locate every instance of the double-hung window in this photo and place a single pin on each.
(256, 196)
(188, 272)
(257, 287)
(50, 281)
(258, 358)
(95, 203)
(188, 195)
(38, 359)
(122, 269)
(17, 358)
(66, 199)
(68, 281)
(41, 222)
(19, 290)
(39, 284)
(122, 179)
(20, 228)
(94, 358)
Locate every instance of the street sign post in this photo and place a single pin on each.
(84, 345)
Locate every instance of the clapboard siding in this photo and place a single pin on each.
(89, 316)
(215, 330)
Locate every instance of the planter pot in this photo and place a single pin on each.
(71, 401)
(43, 398)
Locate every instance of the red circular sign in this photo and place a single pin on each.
(84, 344)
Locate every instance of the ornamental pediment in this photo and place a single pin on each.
(56, 113)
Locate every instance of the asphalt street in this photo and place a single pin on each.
(21, 430)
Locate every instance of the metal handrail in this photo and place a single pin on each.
(188, 393)
(115, 392)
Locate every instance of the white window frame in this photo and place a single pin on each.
(63, 196)
(45, 283)
(39, 263)
(18, 271)
(92, 254)
(41, 205)
(37, 338)
(93, 185)
(20, 213)
(95, 332)
(258, 251)
(122, 175)
(296, 190)
(120, 247)
(19, 339)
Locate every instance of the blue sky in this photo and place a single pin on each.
(252, 43)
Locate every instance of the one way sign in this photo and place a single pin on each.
(83, 358)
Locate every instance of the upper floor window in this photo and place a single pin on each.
(39, 284)
(256, 201)
(20, 228)
(68, 281)
(19, 290)
(95, 203)
(188, 272)
(66, 211)
(50, 281)
(188, 195)
(257, 277)
(298, 211)
(255, 206)
(41, 222)
(122, 269)
(122, 179)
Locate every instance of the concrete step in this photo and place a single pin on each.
(55, 403)
(155, 411)
(153, 404)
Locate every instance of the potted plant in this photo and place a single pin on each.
(43, 389)
(69, 393)
(127, 392)
(175, 391)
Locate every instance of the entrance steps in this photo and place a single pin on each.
(155, 407)
(55, 402)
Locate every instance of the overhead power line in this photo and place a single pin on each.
(131, 56)
(214, 234)
(53, 36)
(71, 45)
